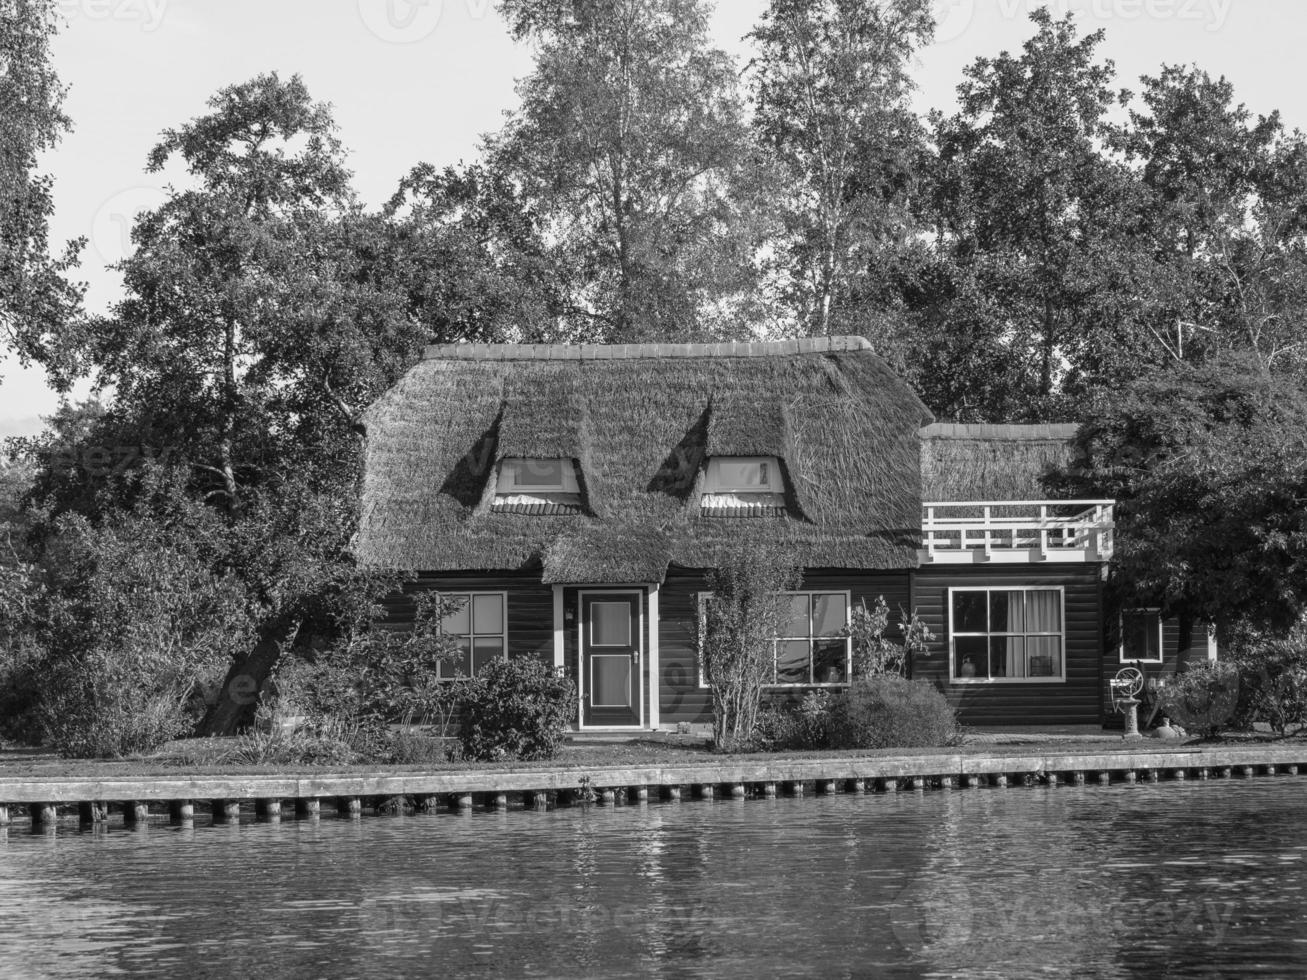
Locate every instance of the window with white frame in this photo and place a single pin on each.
(743, 474)
(479, 628)
(1141, 636)
(537, 476)
(1006, 635)
(813, 647)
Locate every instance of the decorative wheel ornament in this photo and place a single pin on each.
(1128, 682)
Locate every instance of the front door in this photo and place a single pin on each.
(610, 659)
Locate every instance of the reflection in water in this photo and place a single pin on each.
(1129, 881)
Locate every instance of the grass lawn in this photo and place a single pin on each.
(207, 756)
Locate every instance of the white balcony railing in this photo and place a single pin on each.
(1012, 531)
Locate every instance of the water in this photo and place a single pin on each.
(1198, 880)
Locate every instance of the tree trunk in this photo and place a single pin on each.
(1185, 645)
(246, 681)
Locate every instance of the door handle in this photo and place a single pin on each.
(635, 655)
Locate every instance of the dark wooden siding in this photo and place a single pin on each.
(680, 696)
(530, 606)
(1076, 701)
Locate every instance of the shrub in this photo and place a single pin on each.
(514, 709)
(889, 711)
(1204, 698)
(1273, 683)
(806, 725)
(739, 619)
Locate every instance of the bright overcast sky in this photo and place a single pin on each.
(422, 81)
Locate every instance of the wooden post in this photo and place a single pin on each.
(1153, 775)
(946, 782)
(1292, 769)
(607, 796)
(1078, 778)
(1104, 778)
(499, 801)
(44, 816)
(890, 785)
(308, 806)
(1178, 775)
(1223, 772)
(672, 794)
(1052, 778)
(857, 786)
(1248, 772)
(919, 782)
(91, 813)
(135, 813)
(737, 791)
(267, 809)
(4, 814)
(826, 787)
(706, 791)
(973, 782)
(350, 807)
(639, 794)
(794, 788)
(1129, 775)
(540, 800)
(769, 790)
(463, 802)
(180, 811)
(1000, 780)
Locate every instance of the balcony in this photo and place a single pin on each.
(1010, 532)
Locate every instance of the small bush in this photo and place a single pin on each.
(411, 749)
(515, 709)
(1273, 684)
(804, 726)
(892, 712)
(1204, 698)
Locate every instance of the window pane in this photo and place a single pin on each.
(1044, 611)
(741, 474)
(1007, 612)
(1139, 634)
(610, 624)
(828, 615)
(488, 614)
(610, 681)
(538, 472)
(969, 612)
(970, 657)
(793, 659)
(1007, 656)
(796, 617)
(461, 666)
(458, 622)
(1044, 656)
(485, 650)
(830, 662)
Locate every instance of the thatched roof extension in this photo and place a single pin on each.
(991, 462)
(639, 421)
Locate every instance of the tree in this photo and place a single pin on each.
(832, 92)
(261, 311)
(35, 295)
(1223, 217)
(1033, 224)
(471, 257)
(631, 147)
(1208, 465)
(740, 618)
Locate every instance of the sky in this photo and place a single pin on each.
(422, 80)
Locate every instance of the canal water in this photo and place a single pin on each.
(1196, 880)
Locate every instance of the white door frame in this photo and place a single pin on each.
(639, 591)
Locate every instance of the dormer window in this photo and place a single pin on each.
(538, 486)
(743, 474)
(743, 486)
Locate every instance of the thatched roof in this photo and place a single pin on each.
(991, 462)
(639, 421)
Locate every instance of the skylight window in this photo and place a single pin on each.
(743, 474)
